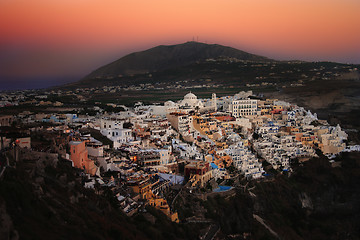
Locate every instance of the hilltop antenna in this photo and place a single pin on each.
(197, 38)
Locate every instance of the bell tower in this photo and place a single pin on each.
(214, 102)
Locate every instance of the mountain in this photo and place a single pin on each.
(170, 56)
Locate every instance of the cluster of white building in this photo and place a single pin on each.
(240, 130)
(245, 160)
(224, 128)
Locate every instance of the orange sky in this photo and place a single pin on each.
(54, 37)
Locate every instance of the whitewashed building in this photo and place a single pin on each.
(243, 107)
(113, 129)
(245, 160)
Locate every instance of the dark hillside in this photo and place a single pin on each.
(52, 204)
(166, 57)
(46, 208)
(316, 202)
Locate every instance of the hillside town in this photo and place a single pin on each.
(195, 145)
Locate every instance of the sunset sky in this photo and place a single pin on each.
(70, 38)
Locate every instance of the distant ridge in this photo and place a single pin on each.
(170, 56)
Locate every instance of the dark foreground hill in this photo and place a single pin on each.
(172, 56)
(316, 202)
(42, 201)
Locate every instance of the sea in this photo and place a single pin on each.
(13, 84)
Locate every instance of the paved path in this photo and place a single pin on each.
(214, 229)
(261, 221)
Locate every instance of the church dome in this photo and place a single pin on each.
(169, 104)
(190, 96)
